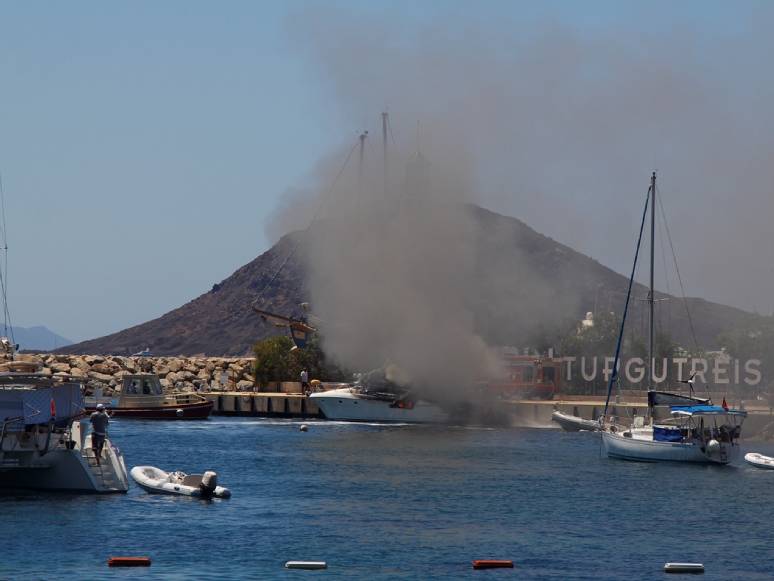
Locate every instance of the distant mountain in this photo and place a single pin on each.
(38, 338)
(541, 285)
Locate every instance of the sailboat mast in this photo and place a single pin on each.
(360, 162)
(651, 295)
(384, 148)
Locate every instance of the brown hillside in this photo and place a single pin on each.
(544, 285)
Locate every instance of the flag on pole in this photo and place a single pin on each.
(724, 404)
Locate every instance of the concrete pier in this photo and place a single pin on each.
(267, 405)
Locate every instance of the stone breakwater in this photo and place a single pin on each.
(177, 374)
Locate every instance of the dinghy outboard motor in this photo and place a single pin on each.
(209, 483)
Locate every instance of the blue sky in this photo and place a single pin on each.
(143, 145)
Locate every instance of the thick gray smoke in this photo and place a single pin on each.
(559, 130)
(392, 271)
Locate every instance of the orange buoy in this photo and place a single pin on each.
(492, 564)
(129, 562)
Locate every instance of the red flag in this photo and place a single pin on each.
(724, 404)
(53, 408)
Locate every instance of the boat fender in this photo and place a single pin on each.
(303, 428)
(713, 447)
(492, 564)
(209, 483)
(306, 565)
(129, 562)
(179, 413)
(684, 568)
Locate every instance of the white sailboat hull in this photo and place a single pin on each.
(349, 405)
(618, 446)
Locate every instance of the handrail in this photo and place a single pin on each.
(5, 423)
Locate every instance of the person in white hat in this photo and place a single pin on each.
(99, 423)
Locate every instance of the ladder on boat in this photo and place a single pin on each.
(105, 478)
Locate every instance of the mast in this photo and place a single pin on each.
(362, 138)
(384, 148)
(651, 294)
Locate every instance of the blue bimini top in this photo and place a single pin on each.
(704, 410)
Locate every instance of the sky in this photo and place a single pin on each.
(147, 150)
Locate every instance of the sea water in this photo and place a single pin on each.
(396, 502)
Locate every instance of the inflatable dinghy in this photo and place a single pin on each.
(157, 481)
(759, 460)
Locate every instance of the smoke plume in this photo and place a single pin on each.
(557, 128)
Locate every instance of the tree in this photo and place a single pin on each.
(277, 360)
(272, 359)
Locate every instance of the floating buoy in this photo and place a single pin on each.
(684, 568)
(306, 565)
(492, 564)
(303, 428)
(129, 562)
(179, 412)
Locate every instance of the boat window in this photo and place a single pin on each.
(133, 387)
(146, 387)
(549, 374)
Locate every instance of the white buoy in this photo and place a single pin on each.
(306, 565)
(684, 568)
(179, 412)
(304, 428)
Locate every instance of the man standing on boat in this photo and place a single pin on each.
(305, 382)
(99, 423)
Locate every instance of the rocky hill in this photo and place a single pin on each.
(544, 285)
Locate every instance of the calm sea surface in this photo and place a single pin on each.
(397, 502)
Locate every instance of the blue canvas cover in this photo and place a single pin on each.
(37, 403)
(690, 410)
(663, 434)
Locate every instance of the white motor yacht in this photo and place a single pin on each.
(358, 405)
(43, 441)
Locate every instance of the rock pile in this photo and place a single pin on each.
(177, 373)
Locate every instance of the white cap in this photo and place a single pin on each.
(100, 406)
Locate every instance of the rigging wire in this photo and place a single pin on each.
(679, 278)
(614, 374)
(320, 205)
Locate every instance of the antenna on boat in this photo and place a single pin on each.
(7, 325)
(651, 294)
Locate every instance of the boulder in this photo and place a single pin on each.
(60, 367)
(101, 377)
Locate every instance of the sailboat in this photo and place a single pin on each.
(697, 430)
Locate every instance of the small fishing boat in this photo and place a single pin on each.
(759, 460)
(570, 423)
(156, 481)
(142, 397)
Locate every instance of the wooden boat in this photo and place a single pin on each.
(157, 481)
(142, 397)
(759, 460)
(571, 423)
